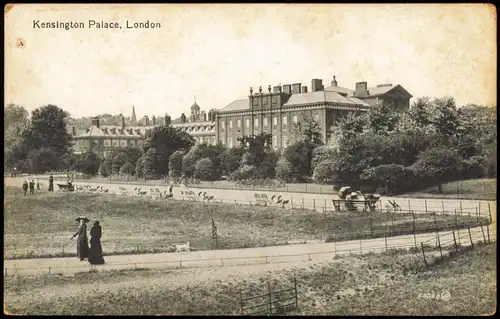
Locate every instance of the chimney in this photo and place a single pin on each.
(304, 89)
(154, 120)
(183, 118)
(317, 85)
(123, 122)
(95, 121)
(275, 89)
(73, 130)
(296, 88)
(334, 82)
(361, 89)
(287, 88)
(168, 120)
(146, 120)
(204, 116)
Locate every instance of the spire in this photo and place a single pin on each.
(133, 120)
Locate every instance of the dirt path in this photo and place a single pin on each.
(310, 253)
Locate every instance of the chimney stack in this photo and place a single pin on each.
(304, 89)
(146, 120)
(95, 121)
(168, 120)
(334, 82)
(204, 116)
(154, 120)
(317, 85)
(73, 130)
(183, 118)
(123, 122)
(361, 89)
(287, 88)
(296, 88)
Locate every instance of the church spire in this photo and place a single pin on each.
(133, 120)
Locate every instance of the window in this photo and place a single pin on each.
(107, 142)
(285, 120)
(316, 117)
(264, 122)
(294, 119)
(213, 140)
(275, 120)
(229, 142)
(255, 122)
(284, 141)
(222, 141)
(275, 141)
(247, 123)
(238, 123)
(223, 124)
(230, 124)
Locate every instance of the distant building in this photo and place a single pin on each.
(272, 112)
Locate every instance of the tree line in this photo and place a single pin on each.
(384, 149)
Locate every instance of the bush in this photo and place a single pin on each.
(284, 170)
(139, 168)
(244, 172)
(190, 159)
(106, 168)
(473, 167)
(87, 163)
(324, 171)
(175, 164)
(127, 169)
(320, 154)
(204, 169)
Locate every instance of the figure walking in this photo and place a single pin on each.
(37, 185)
(32, 187)
(96, 257)
(25, 187)
(82, 244)
(51, 183)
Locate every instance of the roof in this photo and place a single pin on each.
(114, 131)
(317, 97)
(379, 90)
(340, 89)
(238, 105)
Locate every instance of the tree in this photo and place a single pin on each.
(139, 168)
(163, 141)
(106, 168)
(320, 154)
(127, 169)
(230, 159)
(175, 164)
(444, 117)
(122, 155)
(190, 158)
(382, 118)
(267, 168)
(87, 163)
(284, 170)
(14, 115)
(308, 129)
(204, 169)
(440, 163)
(43, 160)
(255, 148)
(324, 171)
(300, 155)
(391, 177)
(150, 160)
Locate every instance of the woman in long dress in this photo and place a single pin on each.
(82, 244)
(96, 257)
(51, 183)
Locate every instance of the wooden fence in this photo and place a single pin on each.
(271, 302)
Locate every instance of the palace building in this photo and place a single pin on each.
(272, 112)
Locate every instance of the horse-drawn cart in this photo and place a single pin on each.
(66, 187)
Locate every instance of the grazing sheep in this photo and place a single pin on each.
(180, 248)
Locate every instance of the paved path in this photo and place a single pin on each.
(318, 202)
(313, 253)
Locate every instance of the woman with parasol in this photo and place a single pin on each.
(95, 257)
(82, 246)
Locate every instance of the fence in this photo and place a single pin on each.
(464, 189)
(280, 301)
(429, 243)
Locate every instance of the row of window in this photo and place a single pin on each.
(264, 122)
(108, 143)
(206, 139)
(275, 142)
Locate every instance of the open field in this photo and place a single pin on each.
(473, 189)
(373, 284)
(41, 225)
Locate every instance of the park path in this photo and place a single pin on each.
(312, 253)
(317, 202)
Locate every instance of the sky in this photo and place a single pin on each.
(216, 52)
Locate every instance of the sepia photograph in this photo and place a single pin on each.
(250, 159)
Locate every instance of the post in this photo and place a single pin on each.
(267, 260)
(456, 219)
(371, 226)
(270, 299)
(477, 215)
(414, 230)
(488, 231)
(325, 204)
(291, 201)
(314, 203)
(241, 302)
(439, 245)
(180, 263)
(442, 205)
(310, 257)
(470, 237)
(461, 211)
(423, 253)
(360, 248)
(455, 241)
(49, 270)
(385, 235)
(296, 293)
(222, 262)
(478, 208)
(482, 230)
(409, 207)
(489, 210)
(302, 202)
(426, 207)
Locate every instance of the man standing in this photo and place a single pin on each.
(32, 187)
(51, 183)
(25, 187)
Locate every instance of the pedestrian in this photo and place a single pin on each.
(82, 244)
(25, 187)
(51, 183)
(32, 187)
(96, 257)
(37, 185)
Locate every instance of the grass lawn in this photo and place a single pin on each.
(373, 284)
(467, 189)
(41, 225)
